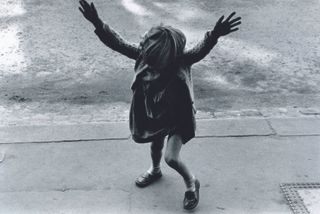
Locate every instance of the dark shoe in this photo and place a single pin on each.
(191, 199)
(146, 179)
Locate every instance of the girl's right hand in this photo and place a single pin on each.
(223, 28)
(89, 12)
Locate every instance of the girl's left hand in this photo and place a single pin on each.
(223, 28)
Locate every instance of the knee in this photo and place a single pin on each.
(171, 160)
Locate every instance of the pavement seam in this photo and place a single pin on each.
(62, 190)
(226, 136)
(130, 199)
(299, 135)
(197, 137)
(67, 141)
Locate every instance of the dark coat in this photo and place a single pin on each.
(182, 78)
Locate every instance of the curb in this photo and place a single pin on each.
(248, 127)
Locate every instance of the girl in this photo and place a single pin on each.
(162, 103)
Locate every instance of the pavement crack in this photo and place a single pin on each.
(124, 190)
(271, 127)
(62, 189)
(68, 141)
(130, 199)
(2, 157)
(235, 136)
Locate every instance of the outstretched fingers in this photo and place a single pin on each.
(220, 20)
(235, 20)
(85, 5)
(235, 24)
(233, 30)
(93, 8)
(230, 24)
(230, 16)
(81, 10)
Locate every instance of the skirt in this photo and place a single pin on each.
(156, 114)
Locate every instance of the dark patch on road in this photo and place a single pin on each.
(19, 99)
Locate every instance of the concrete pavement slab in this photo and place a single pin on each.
(296, 126)
(90, 131)
(120, 130)
(238, 175)
(233, 127)
(239, 127)
(70, 202)
(67, 166)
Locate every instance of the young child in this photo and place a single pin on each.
(162, 103)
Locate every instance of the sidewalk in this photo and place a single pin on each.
(91, 168)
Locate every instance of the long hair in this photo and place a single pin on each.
(162, 45)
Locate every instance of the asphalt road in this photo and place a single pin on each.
(52, 62)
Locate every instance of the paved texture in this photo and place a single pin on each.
(231, 127)
(45, 133)
(52, 64)
(238, 174)
(303, 126)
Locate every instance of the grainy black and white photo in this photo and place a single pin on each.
(165, 106)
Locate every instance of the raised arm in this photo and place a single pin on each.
(221, 28)
(202, 49)
(114, 41)
(106, 34)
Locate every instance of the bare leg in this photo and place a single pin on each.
(172, 157)
(156, 154)
(154, 173)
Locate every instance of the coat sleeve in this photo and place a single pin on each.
(202, 49)
(114, 41)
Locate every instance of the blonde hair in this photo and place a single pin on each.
(162, 45)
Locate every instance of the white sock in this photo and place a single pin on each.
(154, 169)
(190, 184)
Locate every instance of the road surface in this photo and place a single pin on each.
(53, 64)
